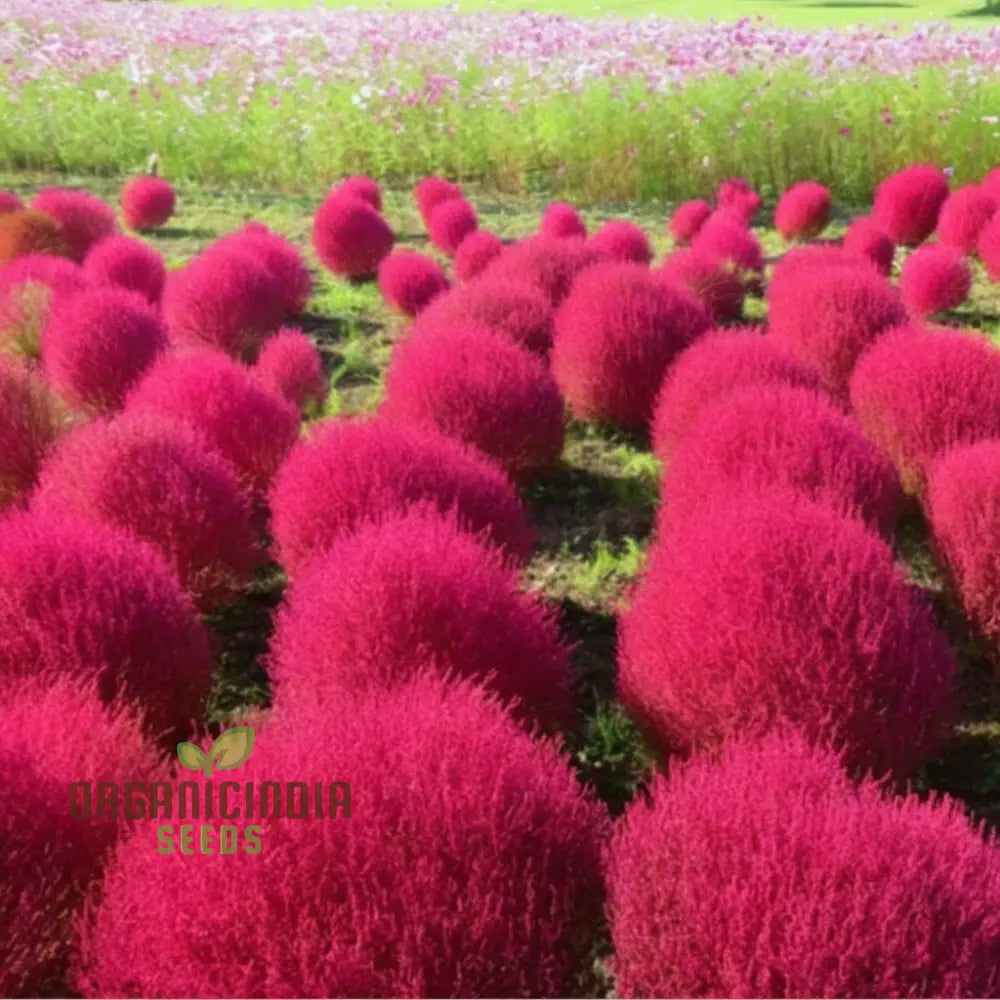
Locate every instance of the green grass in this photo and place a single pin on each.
(593, 514)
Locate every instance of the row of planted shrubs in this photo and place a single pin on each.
(153, 446)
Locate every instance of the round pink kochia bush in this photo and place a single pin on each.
(147, 203)
(616, 336)
(475, 253)
(127, 263)
(451, 221)
(9, 202)
(768, 873)
(350, 237)
(159, 481)
(30, 423)
(963, 217)
(561, 219)
(963, 505)
(55, 732)
(471, 383)
(98, 344)
(919, 393)
(766, 436)
(409, 281)
(549, 263)
(411, 595)
(219, 399)
(736, 195)
(803, 211)
(82, 218)
(829, 315)
(91, 601)
(430, 192)
(349, 471)
(725, 238)
(908, 203)
(515, 308)
(29, 288)
(865, 241)
(769, 610)
(687, 219)
(718, 363)
(359, 186)
(991, 184)
(621, 240)
(988, 247)
(719, 289)
(934, 278)
(226, 299)
(470, 865)
(290, 365)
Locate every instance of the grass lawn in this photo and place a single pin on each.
(789, 13)
(593, 514)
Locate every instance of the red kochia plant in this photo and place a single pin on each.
(290, 365)
(469, 865)
(988, 247)
(770, 435)
(90, 601)
(767, 873)
(97, 344)
(359, 186)
(864, 240)
(127, 263)
(736, 195)
(621, 240)
(409, 281)
(547, 262)
(963, 216)
(907, 204)
(350, 237)
(473, 384)
(719, 289)
(412, 595)
(919, 393)
(828, 315)
(25, 231)
(30, 423)
(561, 219)
(724, 237)
(803, 211)
(934, 278)
(159, 481)
(515, 308)
(147, 202)
(9, 202)
(687, 219)
(29, 287)
(717, 364)
(451, 221)
(350, 470)
(82, 218)
(224, 298)
(475, 253)
(55, 732)
(245, 422)
(616, 336)
(771, 609)
(963, 504)
(430, 192)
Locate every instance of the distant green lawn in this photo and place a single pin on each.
(793, 13)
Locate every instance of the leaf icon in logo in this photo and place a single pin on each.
(231, 749)
(191, 756)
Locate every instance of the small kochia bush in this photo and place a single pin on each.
(475, 253)
(736, 195)
(866, 241)
(934, 278)
(410, 595)
(410, 281)
(9, 202)
(687, 219)
(561, 219)
(771, 609)
(450, 222)
(623, 241)
(82, 218)
(29, 288)
(127, 263)
(350, 237)
(471, 383)
(90, 601)
(54, 732)
(350, 470)
(550, 263)
(359, 186)
(290, 365)
(158, 480)
(771, 435)
(963, 217)
(147, 202)
(767, 873)
(430, 192)
(719, 289)
(908, 203)
(803, 211)
(469, 866)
